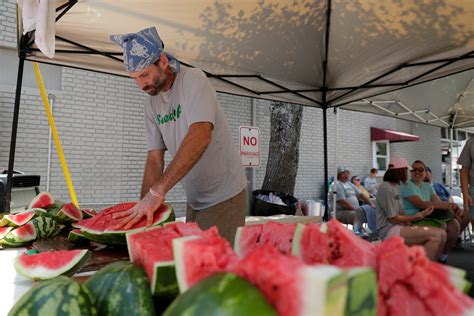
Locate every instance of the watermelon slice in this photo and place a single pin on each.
(68, 213)
(405, 272)
(3, 221)
(152, 249)
(4, 231)
(20, 236)
(99, 228)
(48, 265)
(88, 212)
(42, 200)
(249, 238)
(15, 220)
(362, 293)
(76, 237)
(292, 287)
(197, 257)
(332, 243)
(54, 208)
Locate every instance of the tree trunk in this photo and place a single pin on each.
(283, 152)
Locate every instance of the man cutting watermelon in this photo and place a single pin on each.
(183, 116)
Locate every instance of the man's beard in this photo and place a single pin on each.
(157, 85)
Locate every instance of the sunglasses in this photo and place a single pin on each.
(417, 169)
(356, 179)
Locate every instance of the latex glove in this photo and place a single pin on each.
(145, 207)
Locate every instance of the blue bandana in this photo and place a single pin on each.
(142, 49)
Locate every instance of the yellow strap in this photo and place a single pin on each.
(55, 134)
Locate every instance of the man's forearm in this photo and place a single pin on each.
(346, 205)
(465, 180)
(190, 151)
(153, 170)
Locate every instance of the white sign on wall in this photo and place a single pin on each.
(250, 146)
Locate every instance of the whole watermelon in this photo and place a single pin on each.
(222, 294)
(60, 296)
(121, 289)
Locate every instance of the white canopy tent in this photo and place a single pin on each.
(316, 53)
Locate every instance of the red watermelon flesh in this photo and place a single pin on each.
(275, 275)
(404, 301)
(197, 257)
(348, 250)
(70, 211)
(314, 244)
(20, 218)
(271, 233)
(47, 265)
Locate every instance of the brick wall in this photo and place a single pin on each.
(100, 122)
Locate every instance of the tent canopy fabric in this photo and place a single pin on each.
(316, 53)
(377, 134)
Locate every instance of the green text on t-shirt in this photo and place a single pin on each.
(173, 116)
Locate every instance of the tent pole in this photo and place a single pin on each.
(326, 176)
(16, 111)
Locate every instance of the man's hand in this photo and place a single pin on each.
(145, 207)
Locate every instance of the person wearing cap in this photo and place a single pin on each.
(392, 220)
(183, 117)
(347, 198)
(366, 212)
(467, 179)
(418, 195)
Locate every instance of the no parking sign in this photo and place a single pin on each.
(250, 146)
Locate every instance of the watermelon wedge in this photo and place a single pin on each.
(88, 212)
(99, 228)
(249, 238)
(198, 257)
(42, 200)
(48, 265)
(15, 220)
(4, 231)
(3, 221)
(152, 249)
(76, 237)
(68, 213)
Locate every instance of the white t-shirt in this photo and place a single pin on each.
(219, 174)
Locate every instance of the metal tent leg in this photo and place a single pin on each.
(326, 174)
(16, 111)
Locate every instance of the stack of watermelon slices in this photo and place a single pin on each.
(101, 227)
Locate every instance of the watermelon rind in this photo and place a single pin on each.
(238, 233)
(323, 290)
(45, 226)
(362, 295)
(180, 267)
(88, 213)
(164, 284)
(54, 208)
(42, 200)
(76, 237)
(43, 273)
(121, 288)
(221, 294)
(58, 296)
(296, 244)
(19, 219)
(3, 221)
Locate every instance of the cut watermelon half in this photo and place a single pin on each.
(48, 265)
(99, 228)
(15, 220)
(291, 286)
(42, 200)
(198, 257)
(249, 238)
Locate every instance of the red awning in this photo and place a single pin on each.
(391, 136)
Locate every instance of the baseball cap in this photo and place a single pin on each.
(341, 169)
(398, 163)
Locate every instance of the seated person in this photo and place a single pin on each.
(370, 182)
(418, 195)
(446, 196)
(366, 212)
(347, 199)
(392, 220)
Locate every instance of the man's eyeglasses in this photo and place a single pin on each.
(418, 169)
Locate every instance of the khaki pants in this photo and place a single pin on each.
(346, 216)
(227, 216)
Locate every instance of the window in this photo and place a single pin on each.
(380, 155)
(462, 135)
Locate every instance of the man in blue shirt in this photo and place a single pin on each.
(440, 189)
